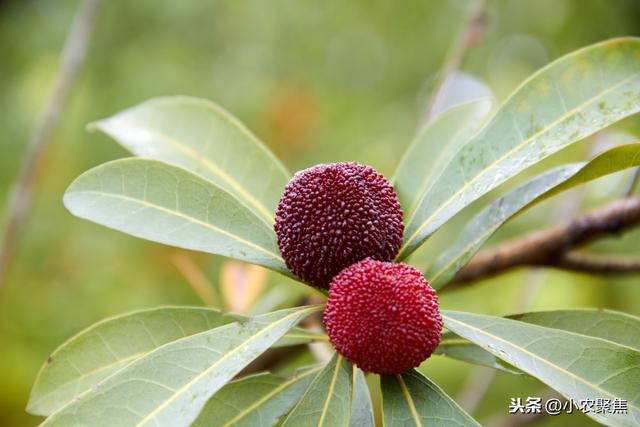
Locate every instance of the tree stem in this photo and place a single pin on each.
(71, 60)
(554, 246)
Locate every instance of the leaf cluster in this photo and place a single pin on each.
(200, 180)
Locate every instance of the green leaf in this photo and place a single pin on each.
(198, 135)
(327, 401)
(163, 203)
(620, 328)
(108, 346)
(578, 366)
(411, 399)
(432, 149)
(256, 401)
(458, 348)
(559, 179)
(111, 344)
(298, 336)
(564, 102)
(171, 385)
(361, 408)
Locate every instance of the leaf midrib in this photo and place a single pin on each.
(217, 171)
(535, 356)
(179, 214)
(535, 200)
(269, 395)
(125, 361)
(428, 182)
(409, 399)
(231, 353)
(491, 230)
(491, 166)
(332, 386)
(461, 253)
(455, 341)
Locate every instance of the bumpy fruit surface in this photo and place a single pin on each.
(383, 316)
(331, 216)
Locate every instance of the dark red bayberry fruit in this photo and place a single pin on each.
(331, 216)
(383, 316)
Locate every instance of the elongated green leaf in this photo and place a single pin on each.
(559, 179)
(564, 102)
(433, 148)
(200, 136)
(108, 346)
(577, 366)
(256, 401)
(411, 399)
(299, 336)
(171, 385)
(160, 202)
(327, 401)
(458, 348)
(361, 408)
(620, 328)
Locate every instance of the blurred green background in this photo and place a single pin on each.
(318, 82)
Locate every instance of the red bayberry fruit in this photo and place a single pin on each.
(383, 316)
(331, 216)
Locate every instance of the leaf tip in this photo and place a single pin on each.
(93, 127)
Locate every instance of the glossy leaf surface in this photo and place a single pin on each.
(411, 399)
(327, 401)
(568, 100)
(171, 385)
(108, 346)
(577, 366)
(486, 222)
(156, 201)
(198, 135)
(433, 148)
(256, 401)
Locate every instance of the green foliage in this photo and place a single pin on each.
(619, 328)
(199, 136)
(171, 385)
(361, 406)
(433, 149)
(458, 348)
(576, 365)
(108, 346)
(328, 400)
(411, 399)
(559, 179)
(255, 401)
(544, 115)
(203, 182)
(157, 201)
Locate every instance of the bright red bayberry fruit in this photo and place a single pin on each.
(383, 316)
(331, 216)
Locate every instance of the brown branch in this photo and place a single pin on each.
(71, 60)
(553, 246)
(590, 263)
